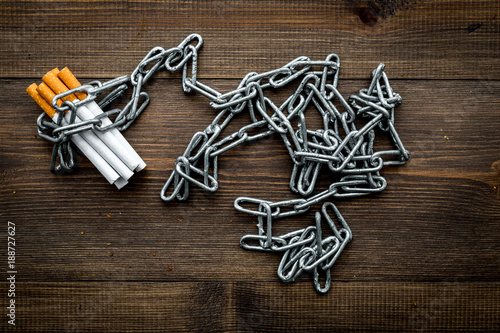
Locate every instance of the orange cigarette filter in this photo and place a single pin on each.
(57, 85)
(71, 82)
(31, 90)
(47, 93)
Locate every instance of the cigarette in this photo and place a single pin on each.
(101, 165)
(83, 112)
(72, 82)
(89, 136)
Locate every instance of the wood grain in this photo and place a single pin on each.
(424, 40)
(441, 208)
(90, 258)
(258, 307)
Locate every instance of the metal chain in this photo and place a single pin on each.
(344, 145)
(157, 59)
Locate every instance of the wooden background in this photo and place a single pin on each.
(425, 254)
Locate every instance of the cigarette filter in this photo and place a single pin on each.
(83, 112)
(72, 82)
(92, 139)
(96, 159)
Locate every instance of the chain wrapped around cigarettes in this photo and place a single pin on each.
(77, 118)
(344, 145)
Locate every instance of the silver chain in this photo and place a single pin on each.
(344, 145)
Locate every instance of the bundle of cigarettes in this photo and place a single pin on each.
(109, 151)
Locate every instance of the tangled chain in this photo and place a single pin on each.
(341, 146)
(344, 145)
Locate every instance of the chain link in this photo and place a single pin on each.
(344, 145)
(157, 59)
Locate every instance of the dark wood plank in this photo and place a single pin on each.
(424, 39)
(436, 221)
(256, 307)
(90, 258)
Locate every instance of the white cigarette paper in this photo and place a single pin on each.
(104, 151)
(72, 82)
(109, 139)
(96, 110)
(85, 142)
(94, 157)
(83, 113)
